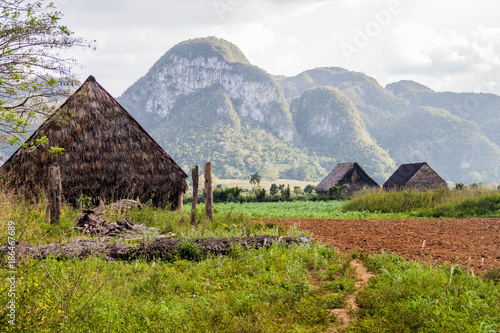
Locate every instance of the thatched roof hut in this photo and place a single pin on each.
(350, 174)
(107, 154)
(418, 176)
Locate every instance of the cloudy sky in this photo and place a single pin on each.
(444, 44)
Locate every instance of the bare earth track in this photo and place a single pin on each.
(470, 242)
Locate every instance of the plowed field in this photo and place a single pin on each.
(471, 242)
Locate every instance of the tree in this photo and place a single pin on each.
(309, 189)
(32, 70)
(255, 179)
(274, 189)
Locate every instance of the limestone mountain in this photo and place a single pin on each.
(483, 109)
(375, 103)
(197, 64)
(204, 126)
(330, 124)
(456, 148)
(204, 101)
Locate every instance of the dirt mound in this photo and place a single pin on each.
(469, 242)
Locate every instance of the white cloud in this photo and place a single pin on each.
(444, 44)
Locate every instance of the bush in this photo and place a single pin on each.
(231, 194)
(274, 189)
(260, 194)
(309, 189)
(337, 192)
(285, 192)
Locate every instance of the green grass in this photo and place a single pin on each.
(249, 291)
(300, 209)
(279, 289)
(438, 203)
(263, 290)
(416, 297)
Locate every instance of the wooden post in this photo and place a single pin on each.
(194, 178)
(209, 199)
(54, 194)
(180, 203)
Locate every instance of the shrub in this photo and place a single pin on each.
(337, 192)
(285, 192)
(274, 189)
(309, 189)
(260, 194)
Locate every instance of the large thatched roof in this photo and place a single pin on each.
(107, 153)
(415, 175)
(351, 174)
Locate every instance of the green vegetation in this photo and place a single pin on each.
(415, 297)
(249, 290)
(299, 209)
(438, 203)
(236, 146)
(32, 70)
(279, 289)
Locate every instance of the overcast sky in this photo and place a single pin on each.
(444, 44)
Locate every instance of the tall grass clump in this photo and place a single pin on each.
(401, 201)
(415, 297)
(478, 202)
(29, 219)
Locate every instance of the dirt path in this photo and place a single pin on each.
(345, 315)
(473, 243)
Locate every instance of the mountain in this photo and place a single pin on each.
(374, 103)
(204, 101)
(456, 148)
(201, 63)
(483, 109)
(328, 122)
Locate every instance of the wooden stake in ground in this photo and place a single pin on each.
(209, 199)
(194, 177)
(180, 203)
(54, 195)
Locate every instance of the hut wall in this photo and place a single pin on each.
(426, 179)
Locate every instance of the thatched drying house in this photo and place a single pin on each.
(418, 176)
(350, 174)
(107, 154)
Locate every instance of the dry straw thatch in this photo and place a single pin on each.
(419, 176)
(350, 174)
(107, 154)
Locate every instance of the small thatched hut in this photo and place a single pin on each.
(107, 154)
(418, 176)
(350, 174)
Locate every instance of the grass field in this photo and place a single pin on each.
(301, 209)
(279, 289)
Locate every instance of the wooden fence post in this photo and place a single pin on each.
(54, 194)
(209, 199)
(180, 203)
(194, 178)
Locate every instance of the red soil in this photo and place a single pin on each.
(471, 242)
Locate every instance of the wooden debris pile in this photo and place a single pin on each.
(92, 223)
